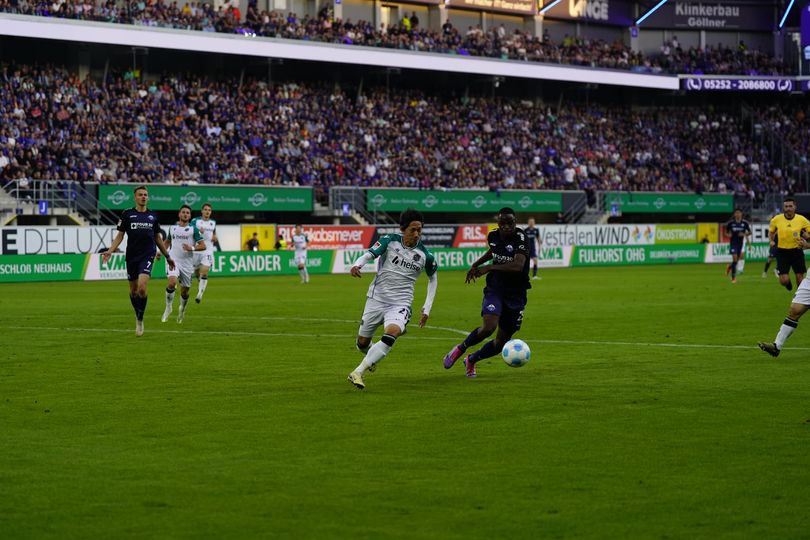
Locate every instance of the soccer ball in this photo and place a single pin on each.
(516, 353)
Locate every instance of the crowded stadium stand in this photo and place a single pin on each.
(444, 33)
(106, 111)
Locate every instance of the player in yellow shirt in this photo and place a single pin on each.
(788, 228)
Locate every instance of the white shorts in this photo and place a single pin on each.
(183, 273)
(300, 258)
(377, 313)
(802, 295)
(203, 258)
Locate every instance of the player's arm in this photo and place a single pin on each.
(215, 240)
(199, 244)
(474, 270)
(772, 232)
(379, 247)
(361, 261)
(433, 284)
(162, 247)
(515, 265)
(116, 242)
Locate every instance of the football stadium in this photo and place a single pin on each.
(409, 269)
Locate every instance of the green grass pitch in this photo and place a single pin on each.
(647, 411)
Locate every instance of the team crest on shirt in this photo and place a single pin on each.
(416, 257)
(491, 307)
(151, 218)
(509, 248)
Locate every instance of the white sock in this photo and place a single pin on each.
(376, 353)
(787, 328)
(302, 273)
(183, 302)
(203, 285)
(740, 266)
(169, 298)
(306, 275)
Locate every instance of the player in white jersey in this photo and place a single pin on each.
(183, 242)
(402, 257)
(299, 244)
(205, 259)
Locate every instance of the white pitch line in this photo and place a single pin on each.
(343, 336)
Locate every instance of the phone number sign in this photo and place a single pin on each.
(702, 84)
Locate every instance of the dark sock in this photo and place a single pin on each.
(489, 349)
(140, 307)
(470, 340)
(133, 299)
(767, 265)
(789, 286)
(534, 272)
(733, 270)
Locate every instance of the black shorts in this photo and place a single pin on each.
(507, 306)
(136, 267)
(790, 258)
(735, 248)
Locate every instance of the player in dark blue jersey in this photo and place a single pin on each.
(504, 293)
(533, 239)
(143, 238)
(738, 230)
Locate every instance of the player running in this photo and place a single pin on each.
(798, 307)
(534, 241)
(402, 257)
(143, 238)
(738, 231)
(183, 242)
(504, 294)
(786, 230)
(299, 243)
(204, 260)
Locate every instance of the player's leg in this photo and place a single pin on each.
(140, 301)
(768, 262)
(185, 287)
(798, 307)
(510, 321)
(171, 286)
(735, 257)
(490, 313)
(373, 315)
(783, 267)
(203, 282)
(535, 267)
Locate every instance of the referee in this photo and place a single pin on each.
(785, 231)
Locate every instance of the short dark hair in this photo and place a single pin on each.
(408, 215)
(738, 209)
(185, 206)
(141, 187)
(506, 211)
(788, 199)
(208, 205)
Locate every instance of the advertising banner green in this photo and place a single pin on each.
(635, 255)
(685, 203)
(395, 200)
(244, 198)
(676, 234)
(267, 263)
(41, 267)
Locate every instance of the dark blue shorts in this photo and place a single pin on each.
(735, 249)
(532, 252)
(772, 252)
(507, 306)
(140, 266)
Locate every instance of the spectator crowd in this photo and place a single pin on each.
(409, 34)
(193, 130)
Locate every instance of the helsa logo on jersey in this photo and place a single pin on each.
(410, 265)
